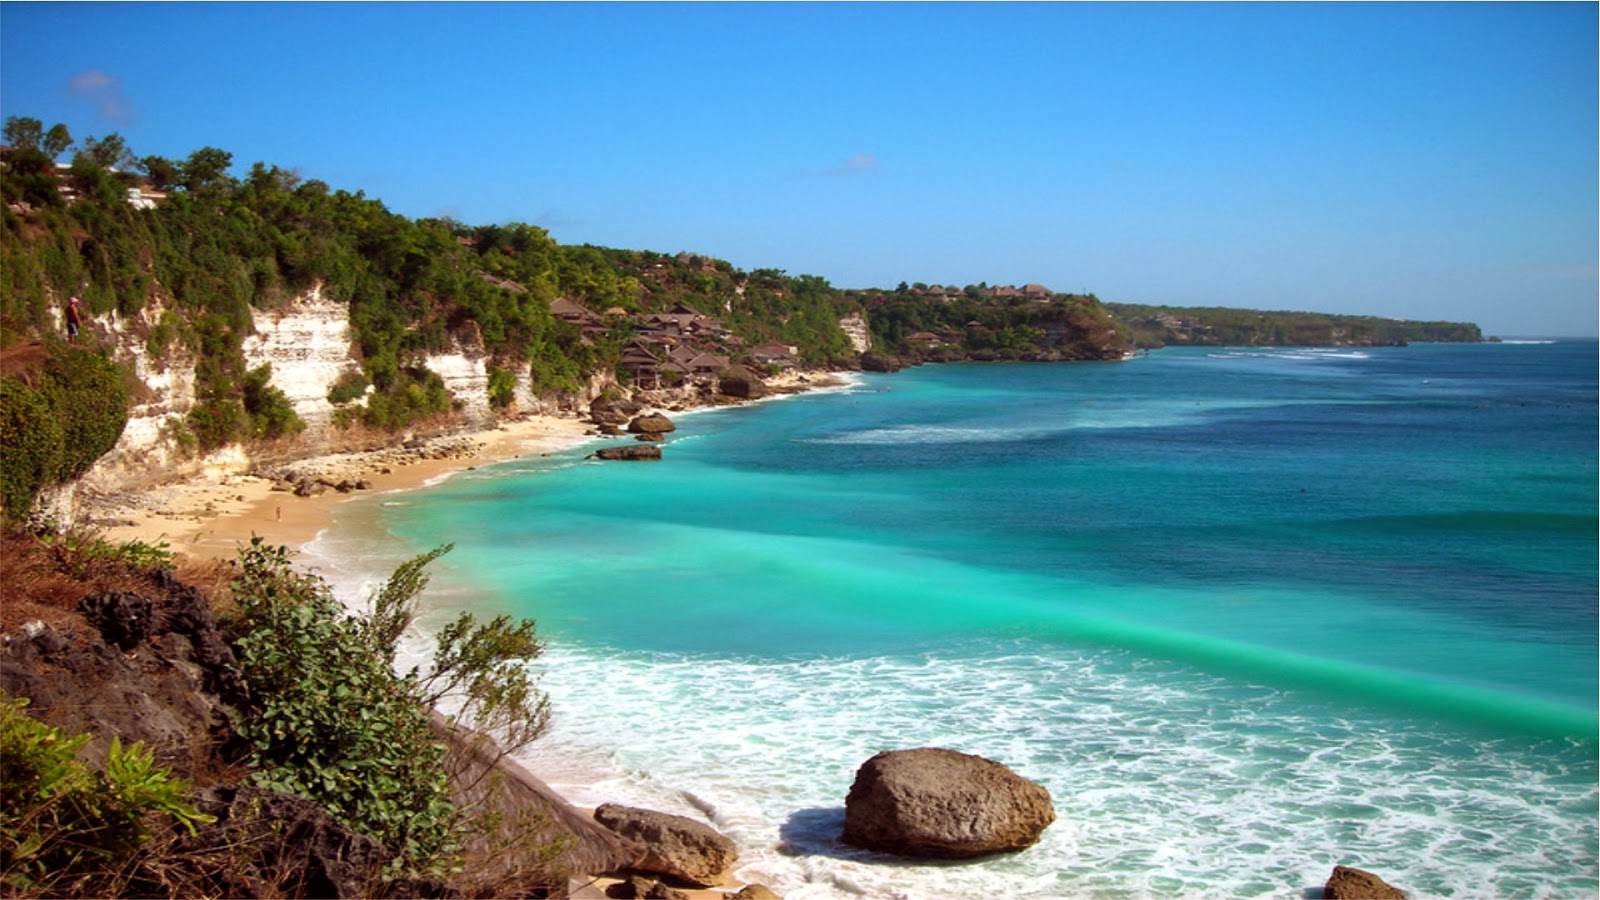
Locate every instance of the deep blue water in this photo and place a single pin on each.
(1247, 614)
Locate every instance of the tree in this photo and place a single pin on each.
(57, 140)
(163, 173)
(206, 168)
(24, 132)
(109, 152)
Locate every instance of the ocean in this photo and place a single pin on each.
(1246, 613)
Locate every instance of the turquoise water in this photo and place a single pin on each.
(1247, 613)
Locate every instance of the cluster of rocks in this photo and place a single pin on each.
(614, 416)
(345, 473)
(926, 803)
(610, 414)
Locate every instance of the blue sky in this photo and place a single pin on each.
(1428, 160)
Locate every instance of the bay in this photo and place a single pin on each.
(1248, 613)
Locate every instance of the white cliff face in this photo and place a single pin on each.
(467, 377)
(855, 328)
(308, 346)
(150, 444)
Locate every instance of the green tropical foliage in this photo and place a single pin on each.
(973, 326)
(331, 720)
(55, 428)
(64, 824)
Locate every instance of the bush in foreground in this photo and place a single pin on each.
(331, 721)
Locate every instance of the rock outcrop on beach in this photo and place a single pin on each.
(676, 847)
(611, 410)
(943, 804)
(1347, 883)
(742, 383)
(524, 812)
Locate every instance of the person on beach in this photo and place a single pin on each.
(74, 319)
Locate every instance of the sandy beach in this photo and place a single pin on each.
(209, 517)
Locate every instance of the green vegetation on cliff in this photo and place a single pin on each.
(974, 324)
(67, 828)
(121, 689)
(1157, 326)
(56, 418)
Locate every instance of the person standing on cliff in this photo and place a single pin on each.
(74, 319)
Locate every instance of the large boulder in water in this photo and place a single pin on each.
(651, 424)
(633, 452)
(1356, 884)
(943, 804)
(674, 846)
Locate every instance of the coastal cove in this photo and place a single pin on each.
(1247, 613)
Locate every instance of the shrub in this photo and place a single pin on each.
(91, 402)
(271, 413)
(61, 821)
(215, 421)
(502, 387)
(415, 394)
(331, 722)
(348, 386)
(162, 335)
(31, 436)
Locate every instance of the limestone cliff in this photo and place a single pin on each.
(855, 328)
(309, 345)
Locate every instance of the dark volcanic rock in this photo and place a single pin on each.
(187, 614)
(638, 887)
(878, 362)
(612, 410)
(943, 804)
(1356, 884)
(674, 846)
(122, 618)
(637, 451)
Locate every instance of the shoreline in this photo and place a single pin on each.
(207, 517)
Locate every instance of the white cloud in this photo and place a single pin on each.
(103, 92)
(860, 164)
